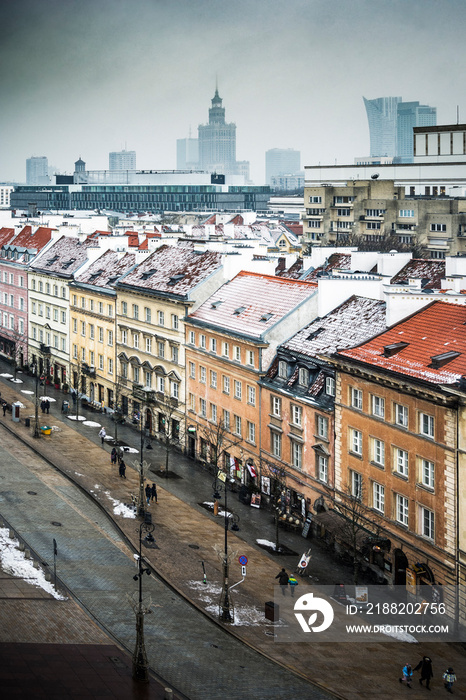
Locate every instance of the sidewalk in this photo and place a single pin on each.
(186, 535)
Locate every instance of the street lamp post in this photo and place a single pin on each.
(36, 433)
(141, 505)
(140, 662)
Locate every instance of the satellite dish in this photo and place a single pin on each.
(375, 176)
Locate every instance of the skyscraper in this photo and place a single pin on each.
(281, 161)
(122, 160)
(391, 123)
(217, 141)
(37, 171)
(187, 154)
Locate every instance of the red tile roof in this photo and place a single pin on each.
(36, 240)
(433, 331)
(433, 271)
(6, 234)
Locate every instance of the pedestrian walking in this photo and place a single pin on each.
(293, 583)
(407, 675)
(148, 494)
(449, 678)
(425, 665)
(113, 455)
(122, 469)
(153, 493)
(102, 434)
(4, 406)
(42, 406)
(47, 405)
(282, 580)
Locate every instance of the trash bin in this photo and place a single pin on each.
(27, 422)
(272, 611)
(65, 407)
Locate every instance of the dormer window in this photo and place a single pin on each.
(438, 361)
(303, 376)
(266, 317)
(393, 349)
(239, 310)
(282, 369)
(176, 278)
(149, 273)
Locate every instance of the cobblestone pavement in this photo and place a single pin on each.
(192, 653)
(187, 534)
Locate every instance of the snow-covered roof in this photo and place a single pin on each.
(430, 345)
(173, 270)
(432, 271)
(64, 257)
(357, 319)
(252, 303)
(107, 269)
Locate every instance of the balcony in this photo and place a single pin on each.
(144, 394)
(88, 370)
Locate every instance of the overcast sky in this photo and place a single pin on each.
(85, 77)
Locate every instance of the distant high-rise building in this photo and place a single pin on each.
(217, 141)
(122, 160)
(187, 154)
(281, 161)
(391, 123)
(37, 171)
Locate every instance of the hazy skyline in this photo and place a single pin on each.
(86, 77)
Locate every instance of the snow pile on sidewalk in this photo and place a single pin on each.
(120, 508)
(14, 562)
(244, 615)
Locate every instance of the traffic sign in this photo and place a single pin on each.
(243, 560)
(243, 571)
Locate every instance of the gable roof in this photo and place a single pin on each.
(251, 303)
(410, 346)
(432, 271)
(173, 270)
(64, 257)
(32, 240)
(104, 271)
(357, 319)
(6, 234)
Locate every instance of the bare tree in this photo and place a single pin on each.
(170, 425)
(18, 347)
(219, 440)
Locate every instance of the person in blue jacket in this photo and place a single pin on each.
(407, 675)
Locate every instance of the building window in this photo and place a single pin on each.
(75, 352)
(83, 303)
(135, 311)
(110, 365)
(378, 497)
(101, 362)
(250, 358)
(276, 406)
(124, 308)
(110, 338)
(303, 376)
(226, 384)
(75, 321)
(192, 402)
(401, 462)
(401, 510)
(124, 369)
(63, 317)
(237, 425)
(83, 328)
(213, 345)
(252, 395)
(202, 408)
(322, 427)
(401, 415)
(175, 322)
(101, 308)
(91, 331)
(226, 419)
(174, 350)
(202, 341)
(226, 350)
(192, 370)
(427, 523)
(135, 340)
(202, 374)
(276, 444)
(426, 425)
(406, 213)
(237, 353)
(136, 375)
(438, 227)
(296, 455)
(161, 384)
(427, 473)
(378, 452)
(330, 386)
(160, 318)
(356, 441)
(238, 390)
(252, 432)
(174, 389)
(101, 335)
(124, 337)
(356, 398)
(322, 468)
(192, 338)
(213, 379)
(297, 415)
(147, 314)
(149, 345)
(83, 354)
(161, 348)
(148, 379)
(282, 373)
(356, 485)
(213, 413)
(378, 406)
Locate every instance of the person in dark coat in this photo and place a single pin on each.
(153, 493)
(425, 664)
(113, 456)
(42, 406)
(283, 580)
(47, 405)
(148, 493)
(122, 469)
(4, 406)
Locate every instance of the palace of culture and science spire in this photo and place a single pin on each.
(215, 148)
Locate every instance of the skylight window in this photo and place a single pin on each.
(66, 265)
(216, 304)
(239, 310)
(393, 348)
(149, 273)
(266, 317)
(52, 260)
(442, 359)
(315, 333)
(176, 278)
